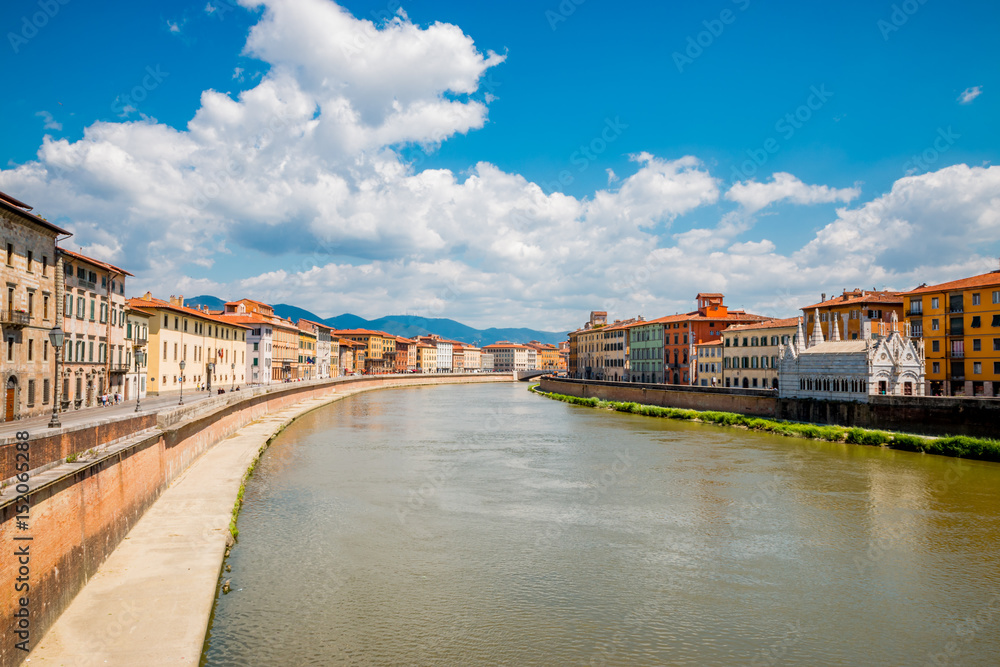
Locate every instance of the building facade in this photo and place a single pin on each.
(959, 324)
(95, 358)
(509, 356)
(751, 352)
(426, 358)
(29, 311)
(709, 360)
(137, 346)
(852, 308)
(379, 349)
(213, 348)
(884, 360)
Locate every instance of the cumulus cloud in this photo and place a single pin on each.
(783, 186)
(304, 170)
(969, 94)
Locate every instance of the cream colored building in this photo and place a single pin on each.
(30, 309)
(751, 352)
(473, 361)
(137, 347)
(95, 354)
(213, 348)
(709, 364)
(426, 358)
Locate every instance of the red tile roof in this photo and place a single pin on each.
(854, 298)
(769, 324)
(991, 279)
(154, 303)
(14, 206)
(96, 262)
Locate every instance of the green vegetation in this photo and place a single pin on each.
(72, 457)
(960, 446)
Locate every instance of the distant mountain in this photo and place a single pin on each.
(402, 325)
(412, 325)
(294, 313)
(213, 302)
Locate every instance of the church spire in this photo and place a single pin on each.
(835, 327)
(800, 338)
(817, 334)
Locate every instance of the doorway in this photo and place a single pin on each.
(10, 399)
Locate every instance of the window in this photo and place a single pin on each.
(45, 306)
(31, 304)
(30, 256)
(81, 273)
(996, 344)
(31, 392)
(935, 325)
(10, 348)
(104, 313)
(114, 316)
(45, 350)
(936, 367)
(935, 302)
(996, 367)
(996, 297)
(69, 305)
(935, 346)
(10, 254)
(31, 350)
(977, 368)
(175, 351)
(975, 299)
(977, 345)
(90, 351)
(45, 392)
(976, 322)
(92, 309)
(166, 323)
(996, 321)
(164, 352)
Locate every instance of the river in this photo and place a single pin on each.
(482, 525)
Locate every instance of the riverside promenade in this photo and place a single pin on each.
(151, 600)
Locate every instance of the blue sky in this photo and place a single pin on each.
(404, 183)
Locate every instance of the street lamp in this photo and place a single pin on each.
(56, 337)
(138, 362)
(183, 364)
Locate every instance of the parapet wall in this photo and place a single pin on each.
(925, 415)
(76, 514)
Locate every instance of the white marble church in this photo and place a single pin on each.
(884, 361)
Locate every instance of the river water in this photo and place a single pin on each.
(483, 525)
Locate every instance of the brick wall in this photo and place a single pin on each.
(78, 520)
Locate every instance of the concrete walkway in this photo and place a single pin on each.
(150, 603)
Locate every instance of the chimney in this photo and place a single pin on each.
(176, 300)
(822, 297)
(148, 296)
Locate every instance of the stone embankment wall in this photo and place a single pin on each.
(77, 513)
(759, 403)
(925, 415)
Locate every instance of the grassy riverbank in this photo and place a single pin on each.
(959, 446)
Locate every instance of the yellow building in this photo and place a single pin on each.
(212, 348)
(426, 358)
(305, 368)
(959, 322)
(751, 352)
(709, 364)
(853, 307)
(285, 350)
(380, 349)
(547, 355)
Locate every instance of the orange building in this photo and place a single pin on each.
(379, 352)
(851, 309)
(959, 322)
(681, 333)
(547, 356)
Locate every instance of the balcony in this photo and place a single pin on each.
(86, 284)
(120, 368)
(956, 354)
(139, 342)
(956, 331)
(956, 309)
(915, 312)
(15, 320)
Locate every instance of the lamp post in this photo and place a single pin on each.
(137, 351)
(56, 337)
(233, 368)
(183, 364)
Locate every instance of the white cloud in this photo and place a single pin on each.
(754, 196)
(50, 122)
(173, 26)
(303, 168)
(969, 94)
